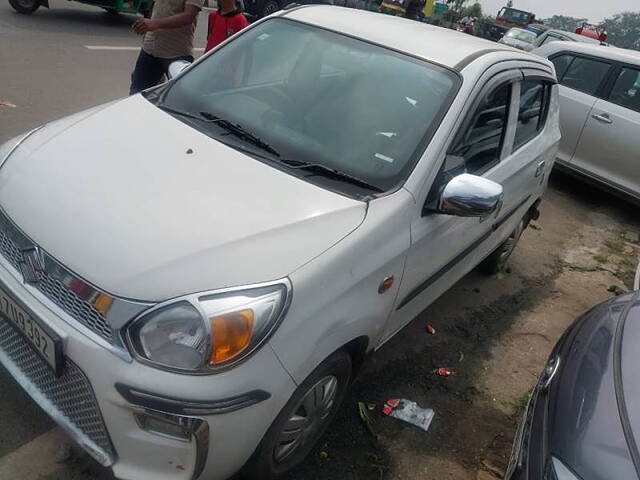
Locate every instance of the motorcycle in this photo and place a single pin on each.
(468, 28)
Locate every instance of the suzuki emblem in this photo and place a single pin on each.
(31, 265)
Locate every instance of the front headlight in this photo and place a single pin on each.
(209, 331)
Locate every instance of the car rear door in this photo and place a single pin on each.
(609, 148)
(581, 79)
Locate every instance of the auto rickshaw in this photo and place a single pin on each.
(112, 6)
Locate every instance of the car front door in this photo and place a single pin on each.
(444, 247)
(609, 148)
(581, 79)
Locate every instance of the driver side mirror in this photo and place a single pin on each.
(468, 195)
(176, 68)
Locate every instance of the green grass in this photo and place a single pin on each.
(522, 401)
(601, 258)
(616, 246)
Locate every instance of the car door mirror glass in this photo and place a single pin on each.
(468, 195)
(175, 68)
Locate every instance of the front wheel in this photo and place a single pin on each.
(25, 6)
(496, 262)
(302, 421)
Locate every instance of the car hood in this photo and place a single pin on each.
(585, 425)
(145, 207)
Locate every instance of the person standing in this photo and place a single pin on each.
(168, 36)
(224, 22)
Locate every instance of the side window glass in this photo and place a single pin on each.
(561, 63)
(480, 144)
(626, 90)
(551, 38)
(585, 75)
(532, 110)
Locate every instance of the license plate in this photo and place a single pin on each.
(39, 336)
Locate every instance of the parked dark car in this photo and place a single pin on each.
(584, 415)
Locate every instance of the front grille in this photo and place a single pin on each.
(81, 310)
(71, 393)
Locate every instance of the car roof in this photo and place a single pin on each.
(574, 36)
(439, 45)
(606, 52)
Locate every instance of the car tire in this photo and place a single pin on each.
(25, 6)
(310, 410)
(497, 261)
(269, 7)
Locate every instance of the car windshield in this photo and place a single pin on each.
(522, 35)
(307, 96)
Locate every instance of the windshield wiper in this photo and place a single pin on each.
(329, 172)
(229, 126)
(238, 131)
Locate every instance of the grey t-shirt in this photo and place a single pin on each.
(171, 42)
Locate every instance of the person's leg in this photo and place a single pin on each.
(147, 72)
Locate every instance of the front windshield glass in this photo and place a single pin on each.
(318, 97)
(522, 35)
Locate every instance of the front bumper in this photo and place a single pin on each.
(225, 428)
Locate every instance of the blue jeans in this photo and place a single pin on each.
(149, 71)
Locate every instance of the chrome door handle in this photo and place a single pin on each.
(603, 117)
(540, 168)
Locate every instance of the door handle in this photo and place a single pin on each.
(603, 117)
(540, 168)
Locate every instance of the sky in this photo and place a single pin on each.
(594, 10)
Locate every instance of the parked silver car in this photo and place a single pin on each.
(550, 36)
(195, 300)
(599, 113)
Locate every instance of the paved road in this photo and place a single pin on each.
(47, 71)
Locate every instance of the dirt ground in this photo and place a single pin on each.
(497, 333)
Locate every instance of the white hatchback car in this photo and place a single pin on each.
(599, 113)
(196, 300)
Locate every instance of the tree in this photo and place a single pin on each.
(474, 10)
(624, 30)
(562, 22)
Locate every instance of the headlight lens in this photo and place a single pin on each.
(206, 332)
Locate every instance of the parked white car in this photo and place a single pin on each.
(599, 113)
(195, 299)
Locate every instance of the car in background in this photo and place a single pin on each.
(583, 417)
(599, 113)
(519, 38)
(561, 36)
(508, 18)
(537, 28)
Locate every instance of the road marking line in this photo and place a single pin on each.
(35, 459)
(116, 48)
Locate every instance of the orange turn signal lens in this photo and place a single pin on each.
(231, 334)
